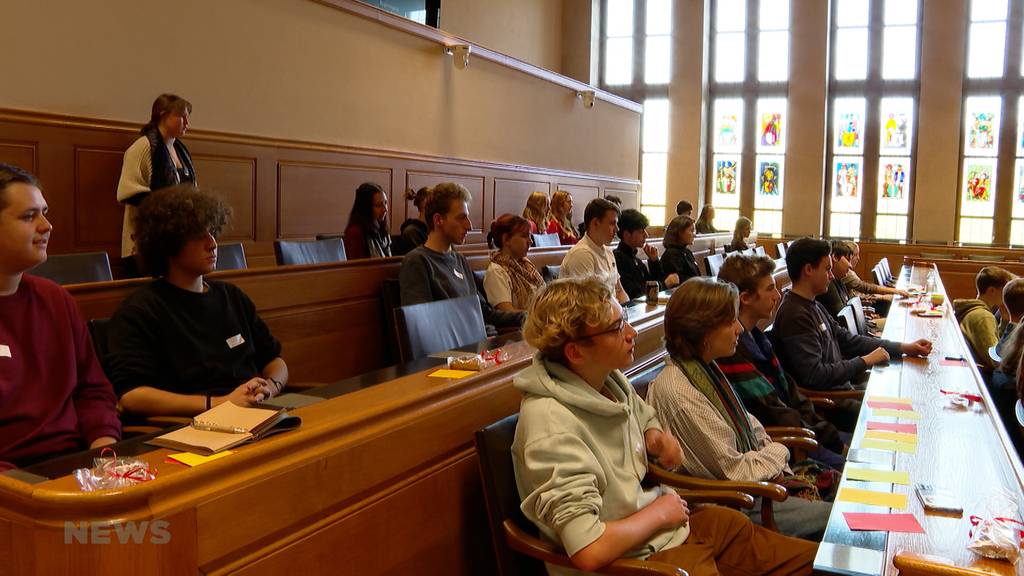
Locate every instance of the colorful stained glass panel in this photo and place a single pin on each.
(846, 183)
(727, 180)
(771, 125)
(982, 125)
(897, 117)
(728, 125)
(978, 187)
(849, 126)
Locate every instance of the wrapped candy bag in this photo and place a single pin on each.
(110, 472)
(477, 362)
(998, 533)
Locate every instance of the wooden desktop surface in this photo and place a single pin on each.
(381, 479)
(964, 451)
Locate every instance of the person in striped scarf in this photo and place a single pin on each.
(754, 370)
(698, 405)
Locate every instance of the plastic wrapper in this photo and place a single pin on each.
(997, 533)
(477, 362)
(111, 472)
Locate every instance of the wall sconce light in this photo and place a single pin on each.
(587, 97)
(460, 54)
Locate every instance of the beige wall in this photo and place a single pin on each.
(300, 70)
(526, 29)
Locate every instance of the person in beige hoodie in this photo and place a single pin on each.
(976, 316)
(582, 445)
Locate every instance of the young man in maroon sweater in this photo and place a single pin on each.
(54, 398)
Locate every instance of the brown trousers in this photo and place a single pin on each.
(724, 542)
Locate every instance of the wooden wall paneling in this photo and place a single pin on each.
(235, 179)
(416, 178)
(581, 195)
(510, 195)
(315, 198)
(630, 198)
(98, 216)
(20, 154)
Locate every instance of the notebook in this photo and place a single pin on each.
(250, 423)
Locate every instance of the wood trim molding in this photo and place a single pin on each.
(444, 39)
(84, 123)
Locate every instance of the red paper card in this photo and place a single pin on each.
(883, 522)
(890, 405)
(960, 363)
(904, 428)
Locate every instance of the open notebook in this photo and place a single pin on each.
(249, 423)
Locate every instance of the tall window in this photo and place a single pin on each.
(636, 63)
(991, 208)
(748, 108)
(873, 91)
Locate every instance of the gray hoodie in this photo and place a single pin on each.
(579, 458)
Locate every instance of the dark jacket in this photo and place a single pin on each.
(836, 298)
(413, 233)
(633, 273)
(679, 260)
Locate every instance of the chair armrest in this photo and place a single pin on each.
(823, 403)
(722, 497)
(798, 443)
(914, 564)
(790, 431)
(524, 543)
(769, 490)
(299, 386)
(833, 394)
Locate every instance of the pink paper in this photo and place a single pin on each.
(890, 405)
(883, 522)
(945, 362)
(904, 428)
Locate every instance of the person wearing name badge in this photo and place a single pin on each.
(182, 343)
(592, 256)
(435, 270)
(54, 398)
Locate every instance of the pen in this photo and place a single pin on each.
(955, 358)
(215, 428)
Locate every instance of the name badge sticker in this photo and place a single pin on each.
(235, 341)
(459, 274)
(822, 327)
(5, 351)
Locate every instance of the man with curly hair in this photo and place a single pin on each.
(182, 344)
(55, 398)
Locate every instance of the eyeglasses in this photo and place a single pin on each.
(619, 326)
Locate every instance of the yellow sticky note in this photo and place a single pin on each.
(894, 436)
(190, 459)
(891, 399)
(888, 445)
(905, 414)
(453, 374)
(869, 475)
(873, 498)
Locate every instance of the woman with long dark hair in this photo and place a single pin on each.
(366, 235)
(158, 159)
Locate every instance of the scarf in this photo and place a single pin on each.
(712, 383)
(754, 370)
(378, 242)
(523, 275)
(165, 174)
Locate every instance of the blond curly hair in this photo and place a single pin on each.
(562, 311)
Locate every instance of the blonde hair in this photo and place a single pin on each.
(562, 311)
(561, 198)
(536, 210)
(696, 308)
(742, 223)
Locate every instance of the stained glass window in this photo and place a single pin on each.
(728, 125)
(848, 126)
(977, 189)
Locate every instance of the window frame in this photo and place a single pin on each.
(1010, 89)
(872, 89)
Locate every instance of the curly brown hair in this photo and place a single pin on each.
(696, 308)
(168, 218)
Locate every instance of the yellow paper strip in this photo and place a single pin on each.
(905, 414)
(190, 459)
(453, 374)
(894, 436)
(890, 399)
(869, 475)
(888, 446)
(873, 498)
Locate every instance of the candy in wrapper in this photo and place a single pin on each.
(112, 472)
(477, 362)
(998, 534)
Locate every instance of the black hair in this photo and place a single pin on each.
(631, 220)
(10, 174)
(362, 210)
(803, 252)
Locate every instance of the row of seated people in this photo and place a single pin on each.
(176, 229)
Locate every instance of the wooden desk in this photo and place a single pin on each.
(964, 451)
(381, 479)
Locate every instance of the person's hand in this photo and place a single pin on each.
(102, 441)
(651, 251)
(877, 356)
(672, 510)
(903, 293)
(920, 348)
(249, 393)
(665, 449)
(672, 280)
